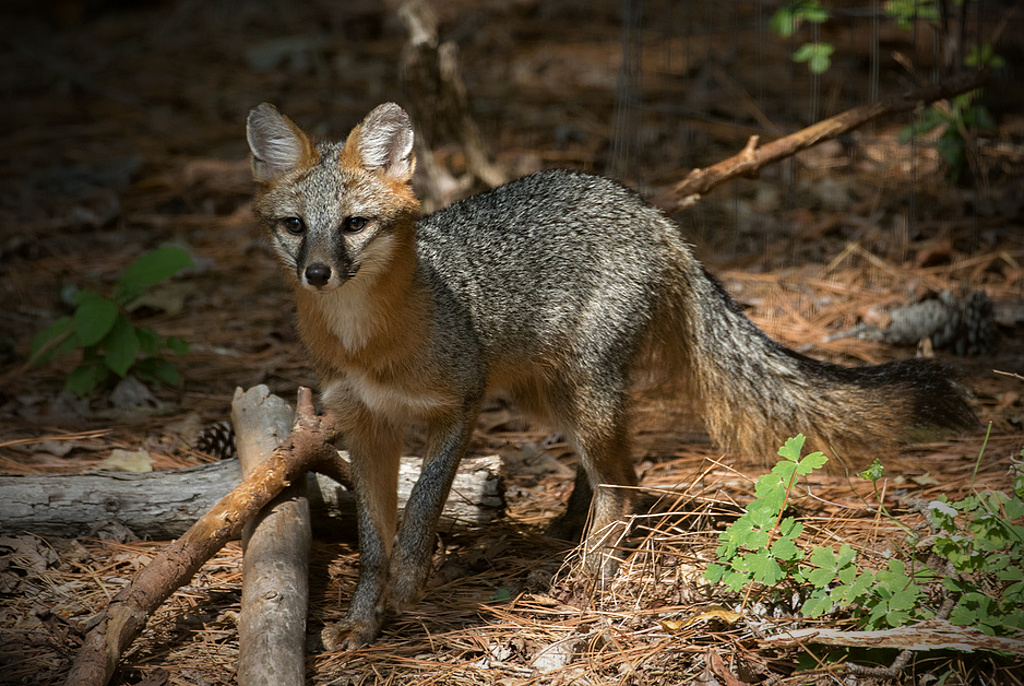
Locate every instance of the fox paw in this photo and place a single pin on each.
(604, 550)
(349, 635)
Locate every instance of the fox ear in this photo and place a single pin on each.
(384, 141)
(278, 146)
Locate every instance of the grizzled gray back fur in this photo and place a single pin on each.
(607, 280)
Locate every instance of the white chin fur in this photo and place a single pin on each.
(347, 307)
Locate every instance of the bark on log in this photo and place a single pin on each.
(161, 506)
(275, 562)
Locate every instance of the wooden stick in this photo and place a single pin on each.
(930, 634)
(275, 563)
(752, 158)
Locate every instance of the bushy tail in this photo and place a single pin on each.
(755, 392)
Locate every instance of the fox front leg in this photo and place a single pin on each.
(410, 561)
(375, 448)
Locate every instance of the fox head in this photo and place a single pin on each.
(334, 212)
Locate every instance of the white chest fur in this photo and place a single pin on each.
(393, 400)
(349, 315)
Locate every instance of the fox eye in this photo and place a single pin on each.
(354, 224)
(294, 225)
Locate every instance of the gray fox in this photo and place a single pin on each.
(561, 288)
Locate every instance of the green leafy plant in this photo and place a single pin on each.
(905, 12)
(788, 19)
(956, 119)
(983, 539)
(963, 113)
(977, 562)
(102, 329)
(760, 546)
(817, 55)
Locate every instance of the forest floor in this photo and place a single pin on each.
(124, 130)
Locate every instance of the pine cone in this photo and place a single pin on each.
(963, 325)
(218, 440)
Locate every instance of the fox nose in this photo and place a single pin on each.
(318, 274)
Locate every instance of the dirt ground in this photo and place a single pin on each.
(123, 130)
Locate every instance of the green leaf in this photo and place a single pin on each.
(942, 514)
(785, 549)
(983, 57)
(790, 528)
(788, 18)
(822, 61)
(756, 540)
(874, 472)
(85, 378)
(815, 13)
(783, 22)
(971, 609)
(149, 340)
(1010, 574)
(792, 448)
(151, 268)
(905, 599)
(763, 512)
(804, 53)
(815, 460)
(821, 577)
(816, 605)
(905, 11)
(93, 318)
(121, 346)
(49, 337)
(735, 581)
(762, 566)
(928, 119)
(713, 572)
(817, 55)
(179, 346)
(1014, 508)
(158, 370)
(851, 592)
(846, 555)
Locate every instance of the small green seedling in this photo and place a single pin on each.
(110, 343)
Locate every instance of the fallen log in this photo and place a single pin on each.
(114, 629)
(161, 506)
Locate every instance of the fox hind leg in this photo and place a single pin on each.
(595, 416)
